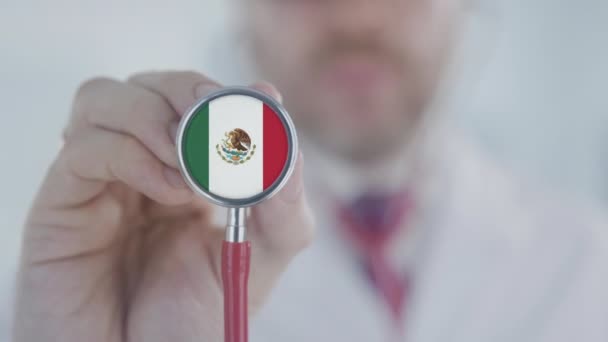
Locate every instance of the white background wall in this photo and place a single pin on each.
(539, 102)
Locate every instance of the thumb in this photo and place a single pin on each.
(284, 223)
(278, 229)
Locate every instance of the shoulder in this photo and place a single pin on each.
(518, 203)
(529, 220)
(504, 241)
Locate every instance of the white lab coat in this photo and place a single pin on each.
(495, 260)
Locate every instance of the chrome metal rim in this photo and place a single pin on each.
(292, 150)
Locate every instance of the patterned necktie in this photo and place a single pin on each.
(369, 222)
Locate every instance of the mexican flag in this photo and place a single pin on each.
(235, 146)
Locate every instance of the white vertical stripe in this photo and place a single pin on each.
(225, 114)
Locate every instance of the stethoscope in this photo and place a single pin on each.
(234, 152)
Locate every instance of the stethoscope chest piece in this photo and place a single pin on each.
(236, 147)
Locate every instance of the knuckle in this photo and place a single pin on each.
(149, 105)
(140, 105)
(133, 78)
(67, 153)
(109, 213)
(187, 75)
(70, 158)
(174, 79)
(135, 160)
(169, 78)
(91, 85)
(129, 148)
(81, 104)
(126, 152)
(146, 114)
(66, 133)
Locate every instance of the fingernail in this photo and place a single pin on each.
(174, 178)
(204, 89)
(293, 189)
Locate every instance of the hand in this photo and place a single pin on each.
(116, 247)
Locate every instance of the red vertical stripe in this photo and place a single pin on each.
(275, 146)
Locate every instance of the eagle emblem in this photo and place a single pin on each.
(236, 148)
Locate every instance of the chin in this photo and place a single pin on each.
(365, 127)
(367, 115)
(369, 150)
(363, 142)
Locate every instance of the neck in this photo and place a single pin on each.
(405, 167)
(348, 177)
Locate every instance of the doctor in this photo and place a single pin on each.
(420, 237)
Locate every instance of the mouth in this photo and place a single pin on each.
(359, 76)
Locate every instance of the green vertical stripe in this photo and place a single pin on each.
(196, 146)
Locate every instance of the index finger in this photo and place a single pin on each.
(181, 89)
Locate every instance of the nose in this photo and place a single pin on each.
(359, 17)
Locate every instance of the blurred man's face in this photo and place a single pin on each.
(355, 74)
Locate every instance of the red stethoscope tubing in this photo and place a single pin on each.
(236, 258)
